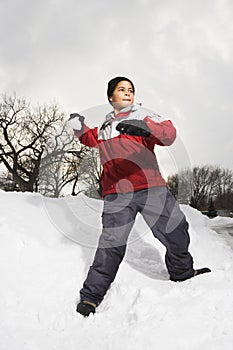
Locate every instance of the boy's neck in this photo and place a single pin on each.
(122, 110)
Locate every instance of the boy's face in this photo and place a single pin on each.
(122, 96)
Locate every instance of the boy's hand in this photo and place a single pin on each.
(133, 127)
(76, 121)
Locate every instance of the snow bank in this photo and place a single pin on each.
(46, 247)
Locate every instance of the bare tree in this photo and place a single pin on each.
(199, 185)
(201, 182)
(17, 145)
(225, 184)
(224, 191)
(90, 173)
(7, 183)
(60, 170)
(33, 140)
(181, 185)
(173, 184)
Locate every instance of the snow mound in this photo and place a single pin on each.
(46, 247)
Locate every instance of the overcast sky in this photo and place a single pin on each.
(179, 54)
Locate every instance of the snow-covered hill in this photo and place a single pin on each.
(46, 247)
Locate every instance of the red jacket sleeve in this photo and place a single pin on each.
(88, 137)
(163, 133)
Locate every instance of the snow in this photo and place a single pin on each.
(223, 226)
(46, 246)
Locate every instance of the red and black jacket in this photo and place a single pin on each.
(129, 162)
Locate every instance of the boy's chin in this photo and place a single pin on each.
(122, 105)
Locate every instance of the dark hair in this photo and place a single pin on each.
(113, 83)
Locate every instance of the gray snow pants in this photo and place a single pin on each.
(167, 223)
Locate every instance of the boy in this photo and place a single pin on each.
(131, 183)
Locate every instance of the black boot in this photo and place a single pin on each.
(195, 273)
(201, 271)
(85, 308)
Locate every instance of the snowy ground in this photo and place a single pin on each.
(46, 247)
